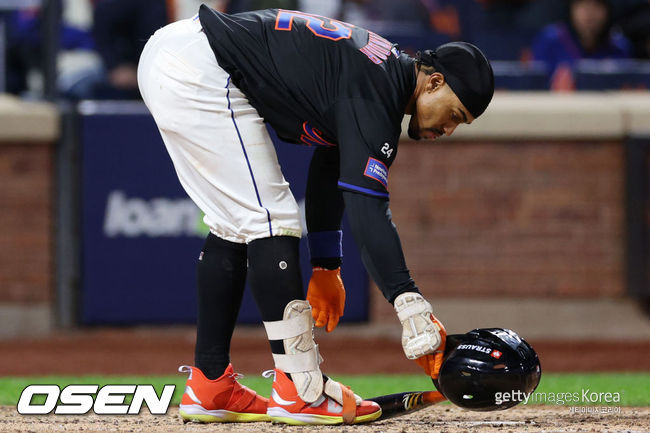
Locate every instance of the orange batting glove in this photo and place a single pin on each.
(326, 295)
(432, 363)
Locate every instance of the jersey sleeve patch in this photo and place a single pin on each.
(377, 170)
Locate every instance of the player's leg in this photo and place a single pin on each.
(274, 276)
(301, 393)
(212, 393)
(226, 162)
(221, 277)
(190, 109)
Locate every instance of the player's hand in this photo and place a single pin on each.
(431, 363)
(423, 336)
(326, 296)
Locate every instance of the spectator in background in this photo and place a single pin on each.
(24, 47)
(121, 28)
(586, 35)
(412, 24)
(387, 17)
(507, 27)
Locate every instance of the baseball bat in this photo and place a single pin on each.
(406, 402)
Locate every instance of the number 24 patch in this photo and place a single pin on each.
(387, 150)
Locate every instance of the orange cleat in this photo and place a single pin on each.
(220, 400)
(285, 406)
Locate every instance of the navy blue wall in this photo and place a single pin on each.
(142, 235)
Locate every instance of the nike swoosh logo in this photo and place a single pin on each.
(190, 393)
(276, 397)
(334, 407)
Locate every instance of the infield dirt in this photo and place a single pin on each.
(437, 419)
(121, 351)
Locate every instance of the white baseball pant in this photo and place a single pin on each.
(221, 150)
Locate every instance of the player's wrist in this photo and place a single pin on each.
(322, 269)
(327, 263)
(410, 288)
(326, 249)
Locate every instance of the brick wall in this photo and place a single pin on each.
(530, 219)
(26, 269)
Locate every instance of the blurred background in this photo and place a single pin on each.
(537, 217)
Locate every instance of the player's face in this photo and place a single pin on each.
(438, 111)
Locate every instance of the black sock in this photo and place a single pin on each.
(274, 277)
(274, 274)
(221, 276)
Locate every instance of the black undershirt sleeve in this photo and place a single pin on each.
(379, 243)
(368, 137)
(323, 200)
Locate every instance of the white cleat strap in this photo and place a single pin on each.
(293, 327)
(301, 358)
(333, 390)
(298, 362)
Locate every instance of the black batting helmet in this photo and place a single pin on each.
(488, 369)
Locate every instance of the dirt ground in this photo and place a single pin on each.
(160, 351)
(437, 419)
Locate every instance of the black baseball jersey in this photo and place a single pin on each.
(319, 81)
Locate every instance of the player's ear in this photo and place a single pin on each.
(435, 81)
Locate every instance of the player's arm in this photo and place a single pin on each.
(423, 337)
(379, 243)
(323, 212)
(324, 208)
(368, 147)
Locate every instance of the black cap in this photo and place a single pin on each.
(467, 72)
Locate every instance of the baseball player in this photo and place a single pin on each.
(212, 83)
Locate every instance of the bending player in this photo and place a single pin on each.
(211, 83)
